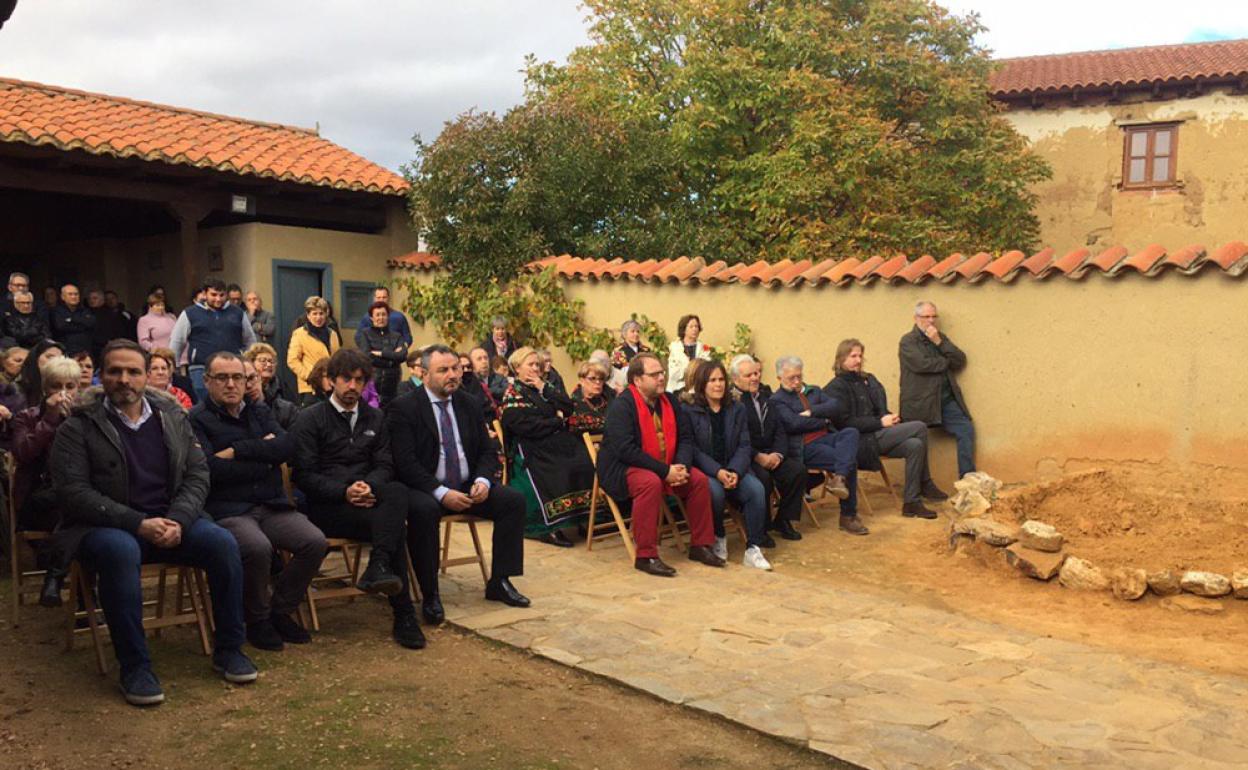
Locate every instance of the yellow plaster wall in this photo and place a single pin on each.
(1082, 205)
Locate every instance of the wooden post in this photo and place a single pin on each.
(189, 214)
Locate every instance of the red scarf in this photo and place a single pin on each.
(650, 436)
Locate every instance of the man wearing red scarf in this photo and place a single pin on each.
(647, 454)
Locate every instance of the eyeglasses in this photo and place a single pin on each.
(595, 379)
(234, 378)
(253, 377)
(929, 317)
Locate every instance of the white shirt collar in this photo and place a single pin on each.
(333, 400)
(144, 416)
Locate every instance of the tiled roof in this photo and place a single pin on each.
(1125, 67)
(415, 260)
(1231, 259)
(32, 113)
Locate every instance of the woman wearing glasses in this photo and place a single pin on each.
(590, 399)
(160, 376)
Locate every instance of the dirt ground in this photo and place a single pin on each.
(1111, 519)
(351, 699)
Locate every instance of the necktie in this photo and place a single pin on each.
(447, 429)
(814, 435)
(761, 409)
(350, 420)
(658, 429)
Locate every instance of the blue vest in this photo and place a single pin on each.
(213, 330)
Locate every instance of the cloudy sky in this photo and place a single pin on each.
(374, 73)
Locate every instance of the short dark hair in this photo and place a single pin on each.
(683, 324)
(437, 347)
(216, 284)
(703, 375)
(233, 287)
(123, 344)
(637, 366)
(220, 355)
(346, 362)
(377, 305)
(386, 289)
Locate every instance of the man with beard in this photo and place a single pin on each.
(202, 330)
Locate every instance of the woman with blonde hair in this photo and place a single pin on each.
(311, 341)
(263, 359)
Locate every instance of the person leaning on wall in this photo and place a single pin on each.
(929, 389)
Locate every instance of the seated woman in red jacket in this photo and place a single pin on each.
(33, 496)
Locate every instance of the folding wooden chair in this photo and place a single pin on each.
(190, 583)
(447, 561)
(341, 585)
(888, 484)
(620, 523)
(22, 583)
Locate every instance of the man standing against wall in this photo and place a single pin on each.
(71, 323)
(202, 330)
(263, 323)
(929, 391)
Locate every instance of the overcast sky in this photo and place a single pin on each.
(374, 73)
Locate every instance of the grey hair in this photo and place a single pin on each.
(788, 362)
(427, 355)
(918, 306)
(601, 356)
(498, 320)
(22, 295)
(629, 324)
(734, 368)
(59, 369)
(18, 275)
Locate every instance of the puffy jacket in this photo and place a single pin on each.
(254, 476)
(303, 353)
(25, 329)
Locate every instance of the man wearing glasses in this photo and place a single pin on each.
(647, 454)
(929, 391)
(246, 448)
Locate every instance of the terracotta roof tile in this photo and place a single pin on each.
(1072, 261)
(1039, 262)
(945, 266)
(1144, 260)
(916, 271)
(1127, 67)
(891, 267)
(420, 260)
(37, 114)
(754, 271)
(1107, 260)
(706, 273)
(1231, 257)
(1188, 257)
(842, 268)
(971, 268)
(793, 272)
(1004, 267)
(815, 274)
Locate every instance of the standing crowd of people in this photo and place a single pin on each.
(167, 439)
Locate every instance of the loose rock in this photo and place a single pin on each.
(989, 531)
(1164, 583)
(1187, 603)
(1040, 536)
(1040, 565)
(1239, 583)
(1082, 575)
(1128, 584)
(975, 493)
(1205, 583)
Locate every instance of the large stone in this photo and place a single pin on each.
(1185, 603)
(1128, 584)
(1164, 583)
(1239, 583)
(1205, 583)
(1082, 575)
(1040, 536)
(1040, 565)
(986, 530)
(975, 493)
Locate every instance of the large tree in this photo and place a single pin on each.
(738, 129)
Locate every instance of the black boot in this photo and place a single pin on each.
(378, 578)
(785, 528)
(53, 582)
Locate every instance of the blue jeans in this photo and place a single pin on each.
(837, 453)
(196, 375)
(958, 423)
(750, 497)
(115, 556)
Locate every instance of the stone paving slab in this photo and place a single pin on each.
(873, 681)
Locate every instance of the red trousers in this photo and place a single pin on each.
(646, 490)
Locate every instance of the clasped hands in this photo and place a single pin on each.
(677, 475)
(161, 532)
(459, 501)
(727, 478)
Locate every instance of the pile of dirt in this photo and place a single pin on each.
(1113, 518)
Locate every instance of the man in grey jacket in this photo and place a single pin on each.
(929, 392)
(263, 322)
(131, 481)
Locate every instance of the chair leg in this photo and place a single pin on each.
(195, 581)
(863, 498)
(446, 545)
(412, 589)
(316, 619)
(888, 484)
(71, 607)
(160, 597)
(88, 601)
(476, 544)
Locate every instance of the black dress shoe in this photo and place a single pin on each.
(785, 529)
(407, 630)
(50, 594)
(655, 566)
(933, 492)
(768, 541)
(431, 608)
(501, 590)
(556, 538)
(704, 554)
(378, 578)
(263, 636)
(917, 510)
(289, 629)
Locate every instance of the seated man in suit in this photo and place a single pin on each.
(344, 467)
(778, 470)
(131, 481)
(647, 454)
(246, 448)
(449, 462)
(805, 415)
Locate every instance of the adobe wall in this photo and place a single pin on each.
(1082, 205)
(1062, 374)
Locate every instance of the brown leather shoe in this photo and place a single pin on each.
(853, 525)
(836, 485)
(655, 566)
(704, 554)
(917, 510)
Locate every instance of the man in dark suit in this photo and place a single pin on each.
(773, 465)
(444, 455)
(647, 454)
(806, 416)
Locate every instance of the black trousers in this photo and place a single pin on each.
(505, 507)
(789, 480)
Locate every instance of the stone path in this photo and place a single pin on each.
(868, 680)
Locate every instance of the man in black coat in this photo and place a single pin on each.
(344, 466)
(246, 448)
(72, 324)
(646, 457)
(929, 392)
(22, 323)
(449, 462)
(773, 465)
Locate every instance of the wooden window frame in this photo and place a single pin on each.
(1150, 130)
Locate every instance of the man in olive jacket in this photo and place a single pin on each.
(929, 391)
(131, 481)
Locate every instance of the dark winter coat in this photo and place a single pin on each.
(254, 476)
(736, 439)
(861, 402)
(621, 445)
(926, 369)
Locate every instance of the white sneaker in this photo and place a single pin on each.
(754, 558)
(720, 548)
